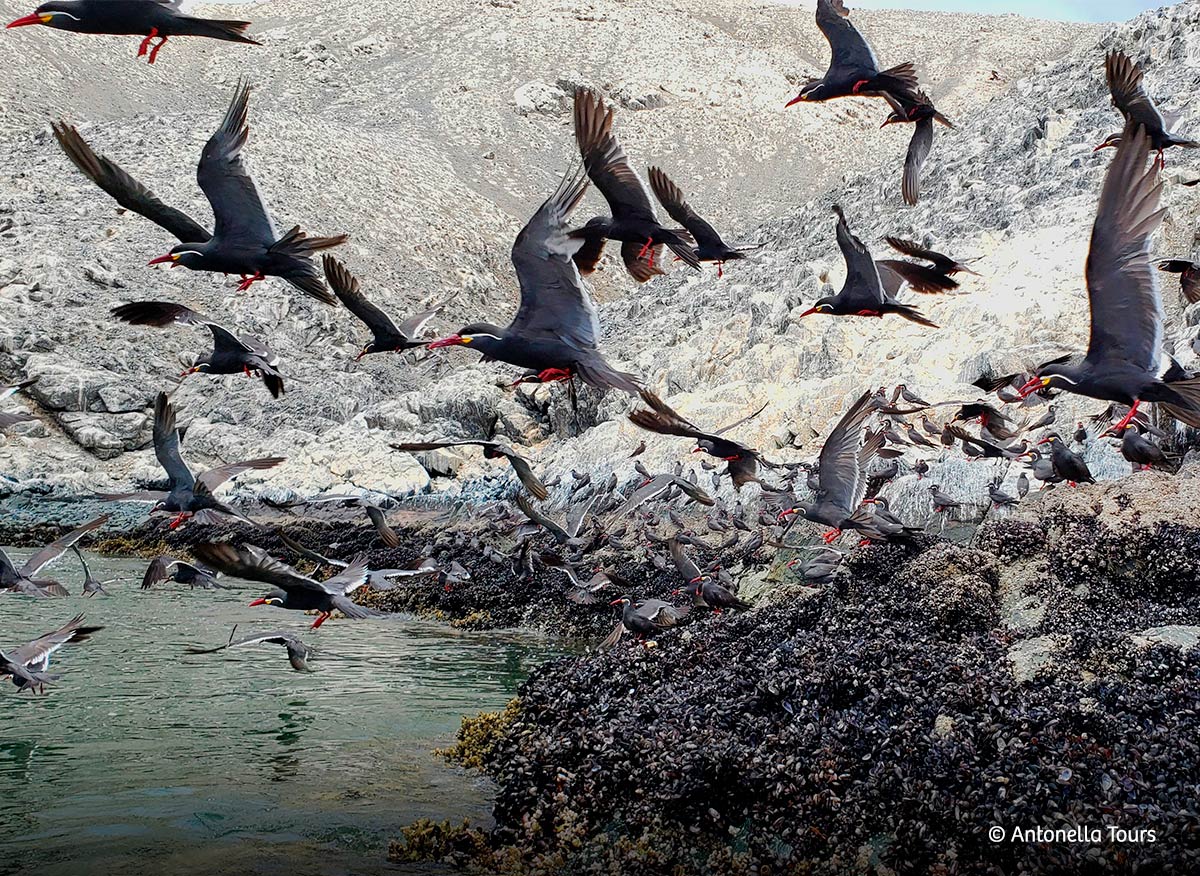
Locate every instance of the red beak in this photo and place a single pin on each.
(616, 602)
(797, 99)
(809, 312)
(28, 19)
(258, 602)
(162, 260)
(448, 341)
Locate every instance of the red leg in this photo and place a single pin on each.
(720, 270)
(247, 282)
(859, 84)
(552, 375)
(645, 248)
(321, 618)
(1128, 417)
(179, 520)
(831, 536)
(145, 46)
(154, 52)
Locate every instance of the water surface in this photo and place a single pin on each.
(145, 760)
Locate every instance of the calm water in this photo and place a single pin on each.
(144, 759)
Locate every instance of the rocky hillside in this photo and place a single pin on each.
(430, 131)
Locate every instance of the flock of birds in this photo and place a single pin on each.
(555, 334)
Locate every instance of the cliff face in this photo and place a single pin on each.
(430, 132)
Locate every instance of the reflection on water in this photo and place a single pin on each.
(144, 759)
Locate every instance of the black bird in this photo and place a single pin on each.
(705, 592)
(658, 486)
(298, 652)
(1043, 468)
(919, 111)
(1123, 353)
(491, 450)
(556, 331)
(152, 19)
(91, 585)
(862, 294)
(22, 580)
(1068, 464)
(934, 278)
(709, 245)
(632, 221)
(853, 68)
(164, 568)
(1143, 453)
(292, 590)
(26, 664)
(663, 419)
(387, 337)
(244, 240)
(645, 618)
(1189, 277)
(187, 495)
(842, 475)
(583, 592)
(576, 517)
(374, 513)
(942, 502)
(1130, 97)
(1000, 499)
(1022, 485)
(231, 354)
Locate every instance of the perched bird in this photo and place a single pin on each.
(386, 336)
(633, 221)
(22, 580)
(164, 568)
(903, 392)
(187, 495)
(152, 19)
(663, 419)
(26, 664)
(1130, 97)
(1189, 277)
(1043, 468)
(645, 618)
(556, 331)
(705, 592)
(1000, 499)
(91, 585)
(231, 354)
(244, 240)
(298, 652)
(1123, 353)
(842, 475)
(292, 590)
(862, 294)
(1067, 464)
(853, 68)
(1143, 453)
(709, 245)
(942, 502)
(1022, 485)
(919, 111)
(491, 450)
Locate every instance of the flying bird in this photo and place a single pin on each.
(23, 580)
(292, 590)
(231, 354)
(164, 568)
(710, 247)
(862, 294)
(661, 485)
(151, 19)
(921, 113)
(853, 67)
(491, 450)
(633, 221)
(91, 584)
(1130, 97)
(645, 618)
(187, 495)
(386, 336)
(374, 513)
(244, 240)
(1189, 277)
(936, 277)
(298, 652)
(26, 664)
(704, 590)
(1124, 350)
(556, 331)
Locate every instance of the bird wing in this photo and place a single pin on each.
(36, 654)
(578, 515)
(849, 50)
(55, 549)
(914, 161)
(415, 324)
(525, 473)
(554, 302)
(276, 638)
(839, 471)
(214, 477)
(656, 486)
(158, 314)
(124, 189)
(663, 614)
(226, 341)
(688, 569)
(1126, 312)
(7, 419)
(348, 579)
(605, 160)
(1128, 93)
(345, 286)
(166, 445)
(386, 534)
(862, 274)
(663, 419)
(238, 210)
(677, 207)
(742, 421)
(542, 520)
(916, 251)
(253, 564)
(308, 554)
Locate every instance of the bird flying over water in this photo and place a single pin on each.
(298, 652)
(152, 19)
(22, 580)
(26, 664)
(244, 240)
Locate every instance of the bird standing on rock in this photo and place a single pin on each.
(1143, 453)
(705, 592)
(1067, 464)
(942, 502)
(152, 19)
(853, 67)
(244, 240)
